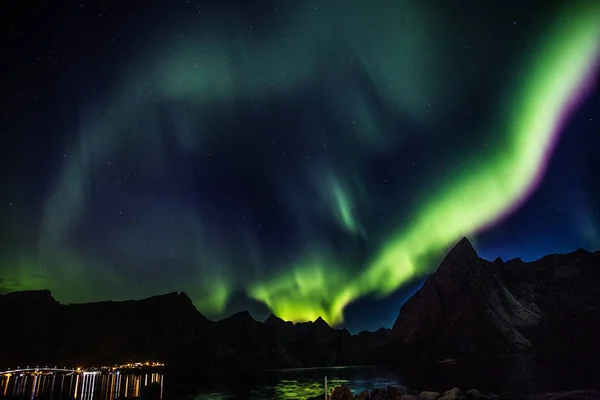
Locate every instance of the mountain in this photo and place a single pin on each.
(40, 330)
(30, 316)
(471, 307)
(170, 329)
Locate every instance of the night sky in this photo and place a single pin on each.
(304, 158)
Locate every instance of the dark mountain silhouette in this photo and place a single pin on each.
(471, 307)
(167, 328)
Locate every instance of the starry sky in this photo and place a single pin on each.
(313, 158)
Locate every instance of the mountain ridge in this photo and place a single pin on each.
(468, 307)
(166, 327)
(471, 307)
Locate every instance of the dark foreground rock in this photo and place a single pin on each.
(404, 393)
(573, 395)
(471, 307)
(341, 393)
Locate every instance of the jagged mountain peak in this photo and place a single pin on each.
(274, 320)
(460, 259)
(241, 316)
(463, 249)
(321, 322)
(484, 311)
(169, 330)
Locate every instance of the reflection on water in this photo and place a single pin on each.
(80, 386)
(280, 384)
(292, 384)
(523, 375)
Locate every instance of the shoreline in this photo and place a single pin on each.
(456, 393)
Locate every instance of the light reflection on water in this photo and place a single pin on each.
(523, 375)
(281, 384)
(86, 386)
(526, 375)
(297, 384)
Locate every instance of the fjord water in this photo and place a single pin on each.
(59, 385)
(524, 375)
(288, 384)
(521, 374)
(280, 384)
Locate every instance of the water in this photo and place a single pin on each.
(289, 384)
(86, 386)
(523, 375)
(520, 374)
(281, 384)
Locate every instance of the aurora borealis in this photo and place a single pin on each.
(309, 159)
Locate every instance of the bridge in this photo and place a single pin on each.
(38, 369)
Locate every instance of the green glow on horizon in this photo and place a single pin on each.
(216, 301)
(479, 194)
(313, 284)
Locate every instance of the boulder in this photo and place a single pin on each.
(407, 397)
(396, 391)
(341, 393)
(452, 394)
(364, 395)
(571, 395)
(474, 394)
(380, 394)
(428, 395)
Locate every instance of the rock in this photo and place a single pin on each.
(341, 393)
(379, 394)
(396, 391)
(452, 394)
(571, 395)
(448, 361)
(474, 394)
(407, 397)
(364, 395)
(428, 395)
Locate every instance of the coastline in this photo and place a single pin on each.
(456, 393)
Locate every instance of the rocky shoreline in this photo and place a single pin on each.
(405, 393)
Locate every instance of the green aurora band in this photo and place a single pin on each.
(491, 185)
(201, 74)
(197, 76)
